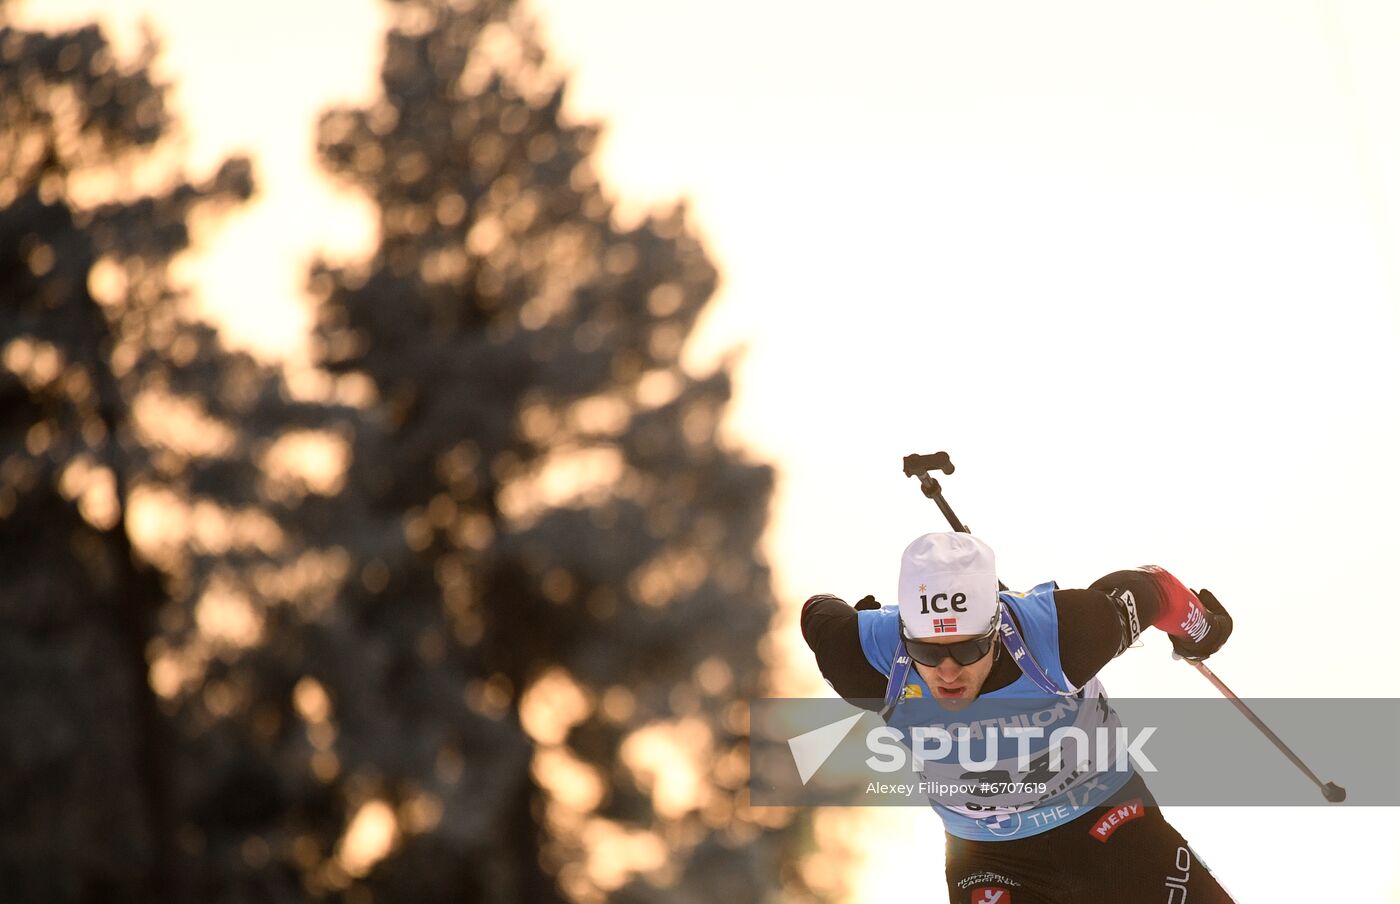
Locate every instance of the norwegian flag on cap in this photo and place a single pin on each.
(945, 626)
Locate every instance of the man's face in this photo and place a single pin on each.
(953, 685)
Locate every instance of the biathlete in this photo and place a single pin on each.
(1072, 834)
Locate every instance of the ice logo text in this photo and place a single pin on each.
(956, 603)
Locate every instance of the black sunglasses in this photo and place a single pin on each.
(964, 652)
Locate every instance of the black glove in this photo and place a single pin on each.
(867, 602)
(1219, 626)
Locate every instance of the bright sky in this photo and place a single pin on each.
(1136, 267)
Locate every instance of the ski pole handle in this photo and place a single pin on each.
(919, 464)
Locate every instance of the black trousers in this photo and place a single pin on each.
(1119, 853)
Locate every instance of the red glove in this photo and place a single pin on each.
(1198, 625)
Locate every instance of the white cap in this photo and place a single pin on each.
(947, 585)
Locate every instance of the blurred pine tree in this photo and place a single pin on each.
(92, 339)
(474, 620)
(548, 521)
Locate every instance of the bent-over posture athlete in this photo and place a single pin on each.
(954, 638)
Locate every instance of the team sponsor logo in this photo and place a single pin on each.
(912, 692)
(1115, 818)
(942, 602)
(1177, 883)
(987, 877)
(991, 894)
(945, 626)
(1003, 825)
(1195, 625)
(1130, 606)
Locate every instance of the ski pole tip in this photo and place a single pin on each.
(1334, 793)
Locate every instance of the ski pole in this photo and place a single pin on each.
(920, 465)
(1334, 792)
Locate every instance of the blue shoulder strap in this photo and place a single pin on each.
(899, 673)
(1021, 653)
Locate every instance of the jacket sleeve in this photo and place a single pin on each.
(832, 631)
(1099, 623)
(1090, 632)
